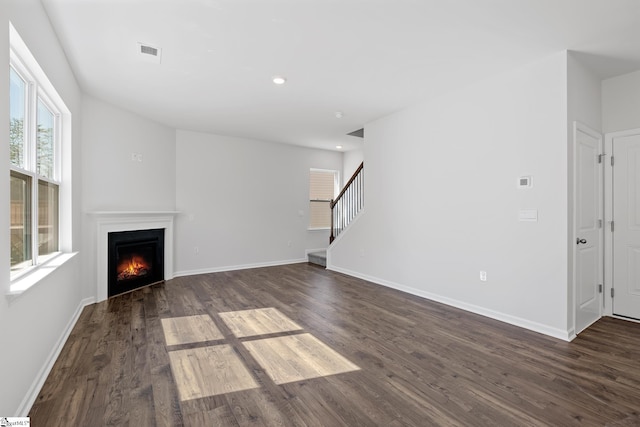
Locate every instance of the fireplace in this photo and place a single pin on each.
(108, 222)
(135, 259)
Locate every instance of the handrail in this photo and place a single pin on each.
(347, 185)
(348, 203)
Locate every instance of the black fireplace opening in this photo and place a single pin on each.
(136, 259)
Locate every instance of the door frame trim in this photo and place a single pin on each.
(608, 215)
(578, 126)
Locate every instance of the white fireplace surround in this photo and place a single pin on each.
(114, 221)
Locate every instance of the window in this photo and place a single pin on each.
(323, 185)
(34, 144)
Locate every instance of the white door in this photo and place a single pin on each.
(626, 233)
(588, 236)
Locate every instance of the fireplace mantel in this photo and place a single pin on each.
(113, 221)
(131, 214)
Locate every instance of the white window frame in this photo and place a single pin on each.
(336, 187)
(39, 88)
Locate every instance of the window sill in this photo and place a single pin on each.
(23, 283)
(319, 229)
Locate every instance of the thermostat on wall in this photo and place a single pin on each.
(525, 182)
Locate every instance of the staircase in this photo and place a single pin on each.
(348, 203)
(318, 258)
(344, 209)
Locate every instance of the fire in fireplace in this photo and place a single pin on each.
(132, 267)
(136, 259)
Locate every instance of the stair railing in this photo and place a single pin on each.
(349, 202)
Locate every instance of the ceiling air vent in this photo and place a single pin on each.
(359, 133)
(149, 50)
(149, 53)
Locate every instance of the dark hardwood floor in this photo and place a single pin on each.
(421, 363)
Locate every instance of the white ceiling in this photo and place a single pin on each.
(365, 58)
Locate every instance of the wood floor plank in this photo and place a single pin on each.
(421, 363)
(166, 403)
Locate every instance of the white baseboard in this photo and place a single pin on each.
(506, 318)
(36, 386)
(237, 267)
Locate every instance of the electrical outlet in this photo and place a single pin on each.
(483, 276)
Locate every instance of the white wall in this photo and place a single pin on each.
(240, 202)
(621, 103)
(584, 106)
(34, 324)
(351, 160)
(112, 181)
(584, 94)
(441, 201)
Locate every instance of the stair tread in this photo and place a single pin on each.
(319, 258)
(321, 254)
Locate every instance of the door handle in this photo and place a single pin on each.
(579, 240)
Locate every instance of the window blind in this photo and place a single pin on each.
(322, 186)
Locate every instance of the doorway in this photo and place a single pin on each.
(588, 226)
(622, 212)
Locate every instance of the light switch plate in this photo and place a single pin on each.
(528, 215)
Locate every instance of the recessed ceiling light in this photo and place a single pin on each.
(339, 114)
(339, 147)
(279, 80)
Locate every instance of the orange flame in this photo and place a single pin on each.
(133, 267)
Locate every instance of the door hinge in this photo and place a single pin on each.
(601, 157)
(612, 161)
(612, 226)
(599, 223)
(599, 289)
(612, 293)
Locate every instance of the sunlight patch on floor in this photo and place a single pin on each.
(214, 370)
(262, 321)
(297, 357)
(209, 371)
(190, 329)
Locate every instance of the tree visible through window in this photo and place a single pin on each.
(44, 141)
(17, 109)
